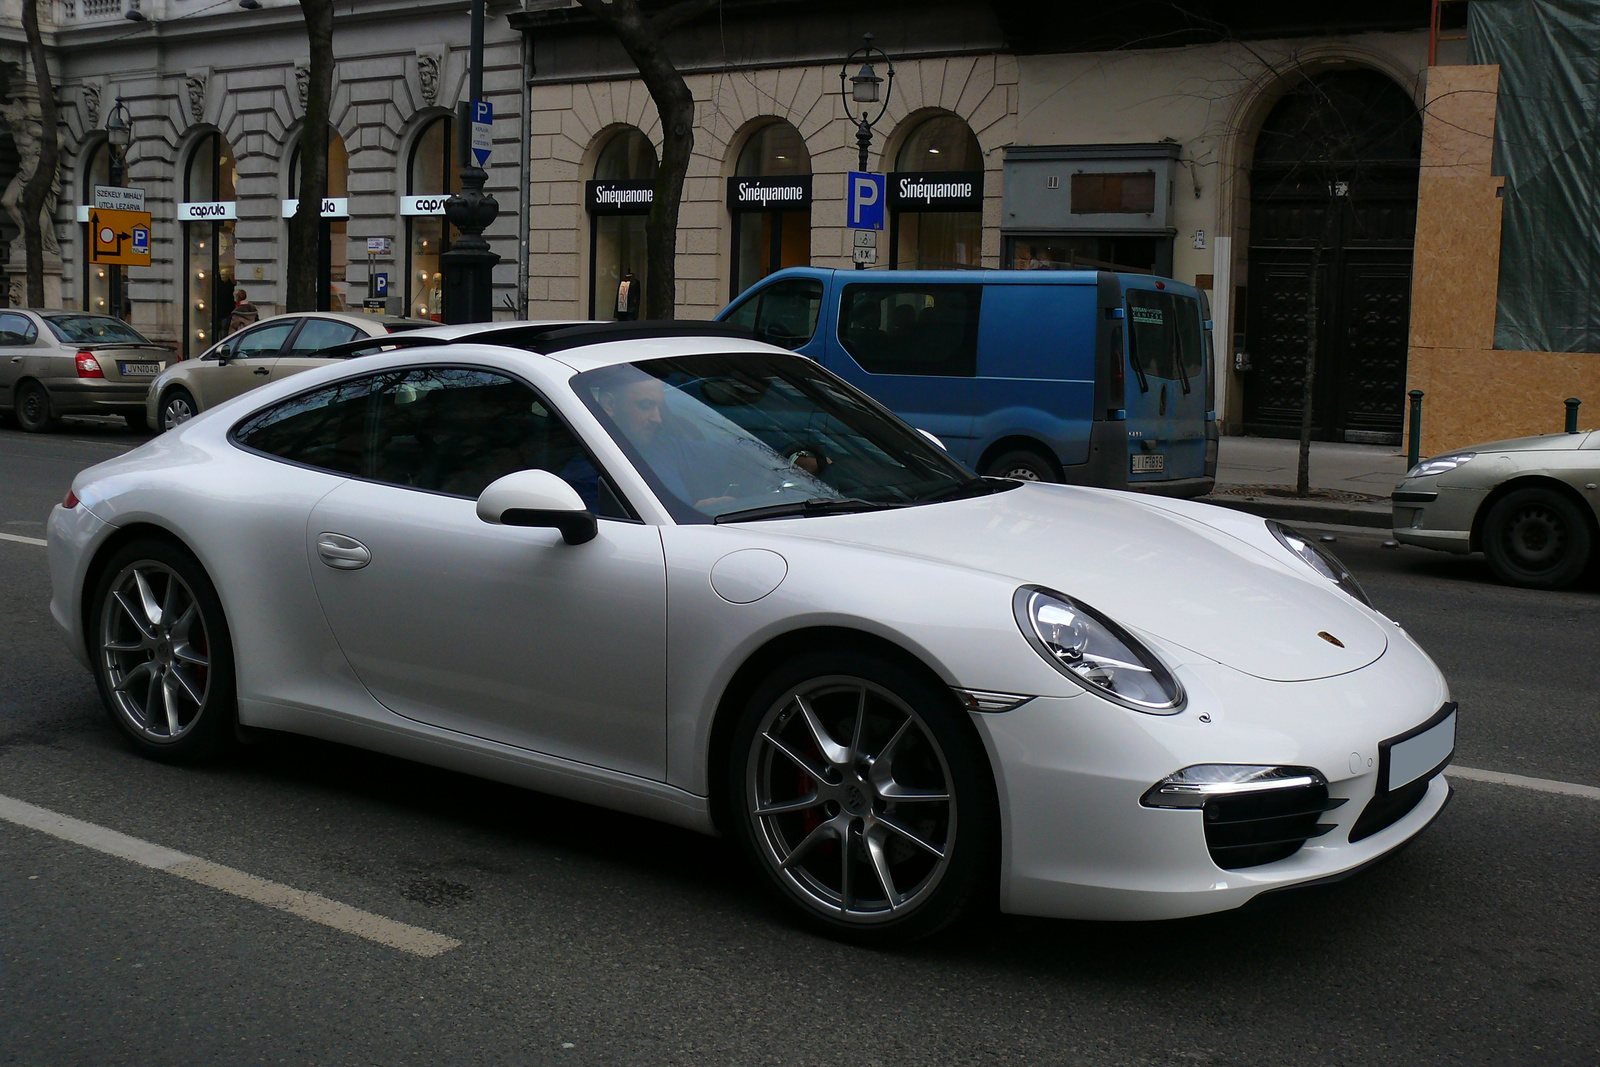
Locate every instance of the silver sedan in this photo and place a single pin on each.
(1530, 505)
(55, 363)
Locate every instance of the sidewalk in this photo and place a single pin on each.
(1350, 484)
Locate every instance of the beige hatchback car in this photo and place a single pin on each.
(269, 350)
(1530, 505)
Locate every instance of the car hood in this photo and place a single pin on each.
(1548, 442)
(1164, 574)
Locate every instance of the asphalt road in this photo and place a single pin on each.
(589, 937)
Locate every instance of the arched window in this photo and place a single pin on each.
(333, 248)
(618, 202)
(431, 175)
(96, 290)
(770, 197)
(208, 215)
(936, 197)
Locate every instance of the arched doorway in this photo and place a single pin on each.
(208, 213)
(333, 246)
(431, 177)
(1335, 167)
(936, 197)
(96, 278)
(770, 198)
(618, 203)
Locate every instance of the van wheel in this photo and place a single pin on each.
(1024, 466)
(1537, 538)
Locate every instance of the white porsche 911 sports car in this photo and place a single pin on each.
(673, 571)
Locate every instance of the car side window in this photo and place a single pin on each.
(456, 429)
(318, 334)
(784, 313)
(912, 329)
(263, 341)
(17, 330)
(325, 428)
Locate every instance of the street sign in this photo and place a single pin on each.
(377, 246)
(482, 130)
(119, 237)
(118, 198)
(380, 284)
(375, 303)
(866, 238)
(866, 195)
(866, 255)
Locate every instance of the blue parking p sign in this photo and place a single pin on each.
(380, 283)
(865, 193)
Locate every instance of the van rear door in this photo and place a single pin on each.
(1166, 386)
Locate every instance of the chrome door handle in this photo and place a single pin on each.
(261, 370)
(16, 359)
(341, 552)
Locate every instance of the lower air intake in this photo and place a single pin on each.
(1250, 829)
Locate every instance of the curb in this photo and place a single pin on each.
(1380, 518)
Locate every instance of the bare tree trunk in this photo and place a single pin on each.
(305, 227)
(643, 38)
(37, 189)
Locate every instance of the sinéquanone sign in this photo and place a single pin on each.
(619, 197)
(770, 194)
(208, 211)
(952, 190)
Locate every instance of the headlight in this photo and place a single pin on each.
(1193, 786)
(1319, 559)
(1095, 652)
(1440, 464)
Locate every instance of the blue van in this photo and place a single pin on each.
(1086, 377)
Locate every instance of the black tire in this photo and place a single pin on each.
(914, 865)
(31, 408)
(177, 407)
(1536, 538)
(170, 705)
(1024, 465)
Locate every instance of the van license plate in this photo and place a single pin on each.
(1149, 462)
(144, 370)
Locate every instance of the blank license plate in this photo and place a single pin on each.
(1149, 462)
(148, 370)
(1409, 758)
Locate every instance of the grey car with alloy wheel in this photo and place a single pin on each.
(55, 363)
(1530, 505)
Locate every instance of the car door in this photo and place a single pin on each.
(18, 338)
(243, 364)
(504, 633)
(1165, 394)
(308, 342)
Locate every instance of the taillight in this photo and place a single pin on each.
(88, 366)
(70, 500)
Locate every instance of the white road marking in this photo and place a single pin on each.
(312, 907)
(1542, 785)
(41, 542)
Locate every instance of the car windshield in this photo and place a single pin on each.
(757, 435)
(94, 330)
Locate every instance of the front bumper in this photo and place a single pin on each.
(1078, 844)
(1434, 516)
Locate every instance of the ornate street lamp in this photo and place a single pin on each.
(864, 89)
(469, 265)
(119, 134)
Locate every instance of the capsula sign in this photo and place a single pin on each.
(333, 207)
(423, 205)
(208, 211)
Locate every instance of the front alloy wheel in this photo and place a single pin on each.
(863, 800)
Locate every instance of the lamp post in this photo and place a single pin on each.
(469, 265)
(119, 133)
(864, 89)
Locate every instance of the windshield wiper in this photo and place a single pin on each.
(969, 488)
(813, 506)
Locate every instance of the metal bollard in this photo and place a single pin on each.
(1572, 414)
(1414, 452)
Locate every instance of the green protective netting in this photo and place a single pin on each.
(1547, 144)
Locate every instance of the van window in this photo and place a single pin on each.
(782, 314)
(1164, 339)
(912, 329)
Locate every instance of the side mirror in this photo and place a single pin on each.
(539, 499)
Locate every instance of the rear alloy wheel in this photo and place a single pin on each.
(1536, 538)
(32, 408)
(864, 797)
(177, 407)
(1024, 466)
(163, 657)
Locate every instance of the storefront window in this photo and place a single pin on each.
(207, 212)
(1133, 255)
(333, 245)
(770, 198)
(432, 176)
(618, 201)
(936, 197)
(96, 291)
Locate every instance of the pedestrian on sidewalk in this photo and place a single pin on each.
(244, 312)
